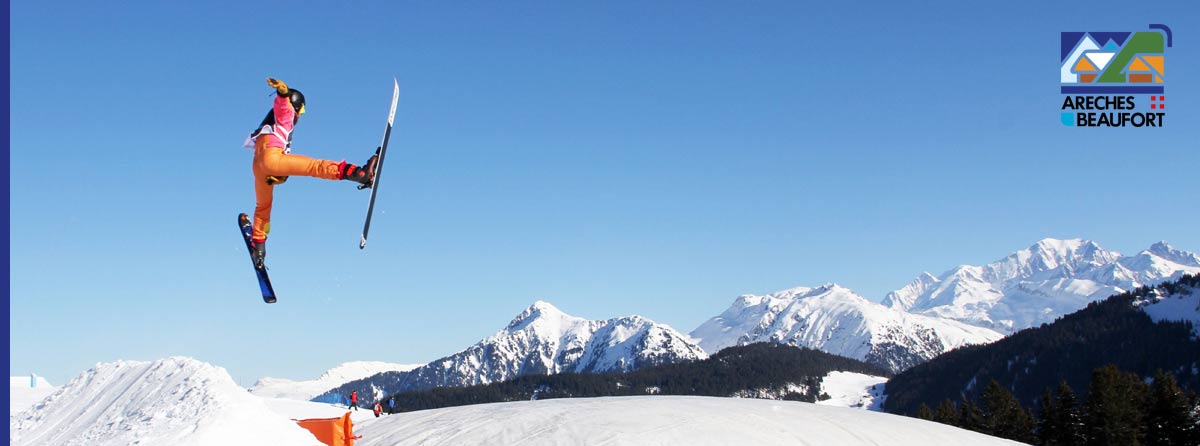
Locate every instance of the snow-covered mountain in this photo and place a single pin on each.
(836, 320)
(1038, 284)
(175, 401)
(304, 390)
(541, 340)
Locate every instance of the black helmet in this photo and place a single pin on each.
(297, 99)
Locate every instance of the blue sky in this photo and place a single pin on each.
(614, 158)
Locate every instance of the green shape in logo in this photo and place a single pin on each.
(1140, 43)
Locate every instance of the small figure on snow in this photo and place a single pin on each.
(391, 405)
(274, 162)
(378, 409)
(353, 400)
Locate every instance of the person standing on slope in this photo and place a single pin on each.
(353, 400)
(274, 162)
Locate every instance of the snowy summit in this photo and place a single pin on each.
(1038, 284)
(834, 319)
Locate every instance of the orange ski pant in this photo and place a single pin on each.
(271, 161)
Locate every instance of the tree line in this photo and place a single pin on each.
(787, 372)
(1120, 409)
(1111, 331)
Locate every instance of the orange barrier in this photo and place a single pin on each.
(331, 431)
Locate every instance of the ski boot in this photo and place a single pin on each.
(259, 253)
(363, 175)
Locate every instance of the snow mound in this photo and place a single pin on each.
(849, 389)
(173, 401)
(25, 391)
(660, 420)
(307, 390)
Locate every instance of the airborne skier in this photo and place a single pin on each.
(273, 162)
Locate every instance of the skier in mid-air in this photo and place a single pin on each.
(273, 162)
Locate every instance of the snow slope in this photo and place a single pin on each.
(1040, 283)
(672, 420)
(1183, 305)
(25, 391)
(834, 319)
(174, 401)
(306, 390)
(849, 389)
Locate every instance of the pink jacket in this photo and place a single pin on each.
(277, 127)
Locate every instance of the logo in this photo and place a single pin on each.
(1114, 79)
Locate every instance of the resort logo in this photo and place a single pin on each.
(1114, 79)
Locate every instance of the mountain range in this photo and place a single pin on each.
(540, 340)
(1040, 283)
(934, 314)
(1140, 331)
(836, 320)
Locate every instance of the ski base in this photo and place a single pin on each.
(264, 281)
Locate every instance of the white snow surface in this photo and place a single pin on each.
(25, 391)
(1038, 284)
(664, 420)
(849, 389)
(1181, 306)
(834, 319)
(305, 390)
(173, 401)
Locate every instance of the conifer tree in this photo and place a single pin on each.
(1048, 425)
(970, 417)
(946, 413)
(1114, 408)
(1004, 417)
(1169, 418)
(1070, 417)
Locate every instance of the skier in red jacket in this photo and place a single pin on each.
(273, 162)
(353, 400)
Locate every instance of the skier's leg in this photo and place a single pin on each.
(275, 162)
(264, 195)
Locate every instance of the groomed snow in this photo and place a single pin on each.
(674, 420)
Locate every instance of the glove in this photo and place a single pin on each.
(278, 85)
(273, 180)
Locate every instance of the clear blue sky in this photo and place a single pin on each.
(613, 158)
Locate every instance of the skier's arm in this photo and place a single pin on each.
(284, 114)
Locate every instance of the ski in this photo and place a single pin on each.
(264, 281)
(362, 241)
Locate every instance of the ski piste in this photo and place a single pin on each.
(264, 282)
(362, 241)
